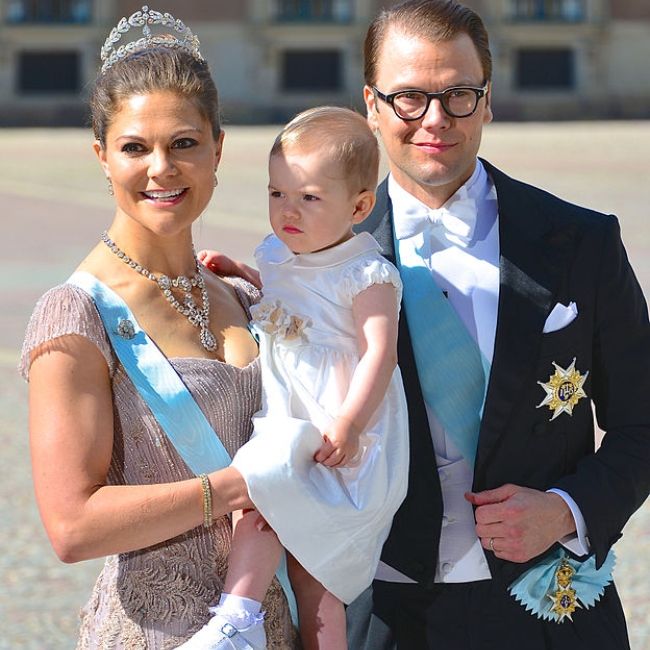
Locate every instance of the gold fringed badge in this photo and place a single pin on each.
(557, 586)
(564, 599)
(564, 389)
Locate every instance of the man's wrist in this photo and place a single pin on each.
(566, 524)
(577, 540)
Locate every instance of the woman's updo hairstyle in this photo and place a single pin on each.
(149, 70)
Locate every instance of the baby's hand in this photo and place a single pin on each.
(340, 444)
(223, 265)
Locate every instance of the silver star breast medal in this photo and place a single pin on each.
(564, 389)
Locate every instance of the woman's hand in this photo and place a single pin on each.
(71, 440)
(340, 444)
(223, 265)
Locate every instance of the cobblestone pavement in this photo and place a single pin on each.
(55, 204)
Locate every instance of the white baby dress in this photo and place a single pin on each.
(333, 521)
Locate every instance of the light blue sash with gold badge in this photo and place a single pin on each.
(453, 376)
(558, 585)
(161, 388)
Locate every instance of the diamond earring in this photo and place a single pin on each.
(110, 186)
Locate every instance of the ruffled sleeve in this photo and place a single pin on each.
(363, 273)
(62, 311)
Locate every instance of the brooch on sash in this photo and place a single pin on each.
(558, 585)
(563, 389)
(125, 329)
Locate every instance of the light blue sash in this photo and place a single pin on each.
(156, 380)
(452, 370)
(159, 385)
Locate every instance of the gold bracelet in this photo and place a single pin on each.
(207, 500)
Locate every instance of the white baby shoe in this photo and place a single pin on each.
(219, 634)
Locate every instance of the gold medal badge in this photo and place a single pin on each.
(564, 599)
(563, 389)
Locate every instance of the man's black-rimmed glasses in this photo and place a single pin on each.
(459, 101)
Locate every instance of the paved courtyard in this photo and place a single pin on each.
(54, 205)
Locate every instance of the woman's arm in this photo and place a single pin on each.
(376, 317)
(71, 439)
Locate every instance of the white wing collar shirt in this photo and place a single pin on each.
(460, 246)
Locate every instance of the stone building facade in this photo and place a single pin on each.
(554, 59)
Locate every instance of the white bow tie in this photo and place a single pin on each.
(457, 220)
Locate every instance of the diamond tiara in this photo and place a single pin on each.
(144, 18)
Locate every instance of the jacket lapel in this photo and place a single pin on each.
(379, 224)
(534, 248)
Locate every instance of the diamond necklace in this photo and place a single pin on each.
(199, 317)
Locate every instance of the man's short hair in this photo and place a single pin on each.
(339, 134)
(433, 20)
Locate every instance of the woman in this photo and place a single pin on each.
(108, 480)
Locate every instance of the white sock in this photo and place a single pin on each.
(239, 603)
(238, 611)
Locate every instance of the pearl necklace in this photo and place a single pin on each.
(199, 317)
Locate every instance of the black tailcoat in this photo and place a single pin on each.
(550, 252)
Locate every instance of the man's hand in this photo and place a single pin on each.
(223, 265)
(518, 523)
(340, 444)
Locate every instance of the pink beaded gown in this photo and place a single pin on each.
(157, 597)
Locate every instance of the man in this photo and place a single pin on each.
(542, 314)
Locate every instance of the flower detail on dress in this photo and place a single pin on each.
(295, 328)
(272, 318)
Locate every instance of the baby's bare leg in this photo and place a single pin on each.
(322, 615)
(254, 557)
(237, 620)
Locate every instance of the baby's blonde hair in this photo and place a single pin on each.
(340, 134)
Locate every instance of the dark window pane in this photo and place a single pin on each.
(545, 69)
(311, 70)
(314, 10)
(304, 9)
(49, 11)
(549, 10)
(49, 72)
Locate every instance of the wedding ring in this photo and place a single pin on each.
(492, 544)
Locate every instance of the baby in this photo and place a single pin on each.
(327, 463)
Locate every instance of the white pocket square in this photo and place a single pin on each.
(560, 317)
